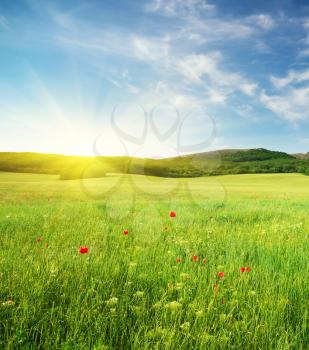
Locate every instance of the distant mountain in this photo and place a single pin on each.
(301, 155)
(242, 155)
(216, 154)
(221, 162)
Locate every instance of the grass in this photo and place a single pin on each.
(129, 292)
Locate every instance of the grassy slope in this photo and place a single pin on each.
(63, 300)
(211, 163)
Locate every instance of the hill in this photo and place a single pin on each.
(222, 162)
(301, 155)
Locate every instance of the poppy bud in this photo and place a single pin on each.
(83, 250)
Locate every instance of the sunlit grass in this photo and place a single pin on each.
(144, 290)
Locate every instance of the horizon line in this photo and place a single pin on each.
(163, 157)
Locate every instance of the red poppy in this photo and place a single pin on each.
(178, 260)
(221, 274)
(38, 240)
(195, 258)
(242, 269)
(172, 214)
(126, 232)
(83, 250)
(204, 260)
(248, 268)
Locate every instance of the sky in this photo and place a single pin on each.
(154, 78)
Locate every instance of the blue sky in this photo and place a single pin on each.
(153, 78)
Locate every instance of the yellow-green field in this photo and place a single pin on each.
(144, 290)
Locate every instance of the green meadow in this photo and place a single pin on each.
(153, 288)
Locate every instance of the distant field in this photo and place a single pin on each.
(145, 290)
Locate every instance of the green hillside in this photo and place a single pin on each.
(221, 162)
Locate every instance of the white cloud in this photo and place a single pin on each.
(292, 105)
(292, 78)
(216, 30)
(170, 54)
(166, 54)
(263, 21)
(183, 101)
(200, 23)
(216, 96)
(292, 99)
(197, 67)
(179, 7)
(248, 88)
(212, 28)
(150, 49)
